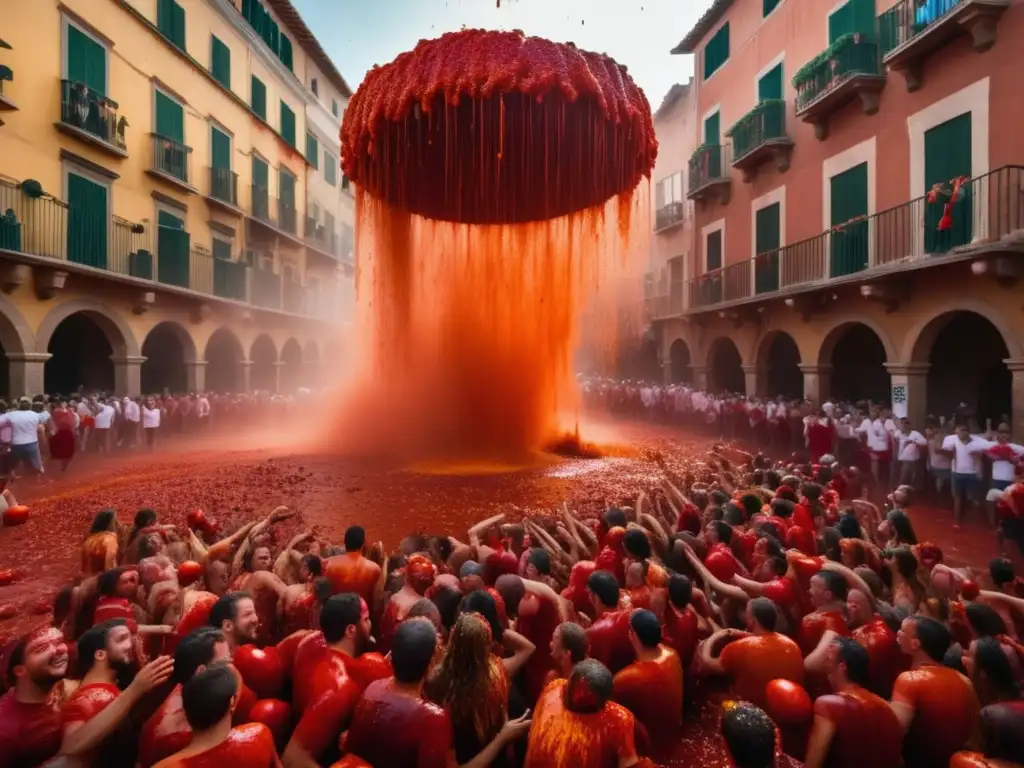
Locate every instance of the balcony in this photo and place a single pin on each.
(171, 162)
(709, 178)
(286, 217)
(321, 239)
(266, 289)
(669, 216)
(91, 117)
(759, 136)
(231, 279)
(224, 190)
(987, 220)
(913, 30)
(847, 69)
(283, 225)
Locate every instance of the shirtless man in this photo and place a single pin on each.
(298, 600)
(267, 590)
(352, 572)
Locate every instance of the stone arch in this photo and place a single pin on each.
(965, 352)
(224, 355)
(778, 360)
(16, 338)
(120, 337)
(725, 366)
(291, 366)
(921, 337)
(855, 353)
(680, 362)
(81, 355)
(843, 324)
(263, 358)
(168, 348)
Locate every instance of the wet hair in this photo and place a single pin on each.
(984, 620)
(614, 517)
(206, 698)
(541, 559)
(935, 639)
(1001, 571)
(812, 491)
(855, 657)
(412, 650)
(194, 651)
(954, 659)
(751, 502)
(590, 686)
(636, 543)
(749, 737)
(512, 591)
(574, 640)
(990, 658)
(321, 590)
(871, 578)
(829, 544)
(848, 525)
(765, 613)
(778, 565)
(605, 586)
(471, 568)
(442, 545)
(355, 537)
(106, 583)
(226, 608)
(424, 609)
(722, 530)
(772, 479)
(646, 627)
(714, 512)
(446, 598)
(782, 507)
(901, 526)
(91, 642)
(680, 590)
(892, 615)
(834, 583)
(338, 614)
(143, 519)
(733, 515)
(313, 564)
(103, 521)
(483, 603)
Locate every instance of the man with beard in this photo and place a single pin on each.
(90, 719)
(266, 588)
(234, 614)
(30, 710)
(331, 686)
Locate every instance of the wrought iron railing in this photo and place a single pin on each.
(708, 164)
(907, 19)
(224, 185)
(130, 249)
(668, 215)
(200, 273)
(286, 217)
(321, 237)
(231, 279)
(171, 157)
(764, 123)
(983, 211)
(261, 204)
(848, 56)
(32, 223)
(91, 112)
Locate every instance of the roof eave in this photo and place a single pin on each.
(704, 25)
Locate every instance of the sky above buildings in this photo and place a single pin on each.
(638, 33)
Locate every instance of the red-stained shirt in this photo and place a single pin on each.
(945, 711)
(610, 560)
(538, 627)
(802, 517)
(782, 591)
(814, 625)
(609, 640)
(29, 733)
(499, 563)
(753, 662)
(886, 660)
(653, 692)
(87, 702)
(868, 733)
(166, 732)
(560, 737)
(351, 572)
(802, 539)
(390, 729)
(722, 562)
(681, 630)
(250, 745)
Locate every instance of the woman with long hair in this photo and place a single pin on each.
(100, 548)
(901, 575)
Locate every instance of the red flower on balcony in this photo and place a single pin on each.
(953, 193)
(946, 222)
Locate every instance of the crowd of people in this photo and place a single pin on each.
(811, 619)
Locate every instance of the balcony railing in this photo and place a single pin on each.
(32, 224)
(224, 185)
(261, 204)
(669, 215)
(231, 279)
(763, 124)
(286, 217)
(708, 166)
(91, 113)
(321, 237)
(989, 209)
(907, 19)
(130, 249)
(200, 273)
(171, 158)
(847, 57)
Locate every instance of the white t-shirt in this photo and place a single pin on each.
(105, 417)
(24, 426)
(150, 418)
(938, 460)
(910, 445)
(131, 411)
(967, 459)
(1003, 470)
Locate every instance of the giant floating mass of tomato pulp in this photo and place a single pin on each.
(500, 212)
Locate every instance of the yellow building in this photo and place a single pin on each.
(156, 230)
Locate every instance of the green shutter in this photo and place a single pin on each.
(87, 222)
(330, 168)
(260, 173)
(173, 245)
(770, 84)
(222, 250)
(220, 62)
(286, 51)
(947, 156)
(312, 150)
(767, 6)
(87, 61)
(165, 219)
(850, 248)
(259, 98)
(767, 241)
(716, 51)
(714, 251)
(287, 124)
(287, 189)
(841, 22)
(170, 118)
(713, 129)
(220, 149)
(170, 20)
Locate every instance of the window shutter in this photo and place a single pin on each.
(87, 61)
(770, 85)
(330, 168)
(286, 51)
(170, 118)
(220, 63)
(767, 6)
(259, 97)
(312, 150)
(714, 251)
(287, 124)
(221, 149)
(222, 250)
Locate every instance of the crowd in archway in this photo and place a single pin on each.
(809, 623)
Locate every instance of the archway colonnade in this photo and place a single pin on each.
(81, 343)
(968, 353)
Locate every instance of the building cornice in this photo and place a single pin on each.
(704, 25)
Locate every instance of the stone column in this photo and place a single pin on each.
(128, 375)
(700, 376)
(666, 370)
(909, 391)
(25, 371)
(753, 380)
(278, 367)
(1017, 397)
(196, 375)
(817, 382)
(246, 371)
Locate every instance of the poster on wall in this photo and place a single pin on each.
(899, 401)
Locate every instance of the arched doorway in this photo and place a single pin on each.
(857, 356)
(638, 358)
(679, 356)
(167, 349)
(15, 339)
(310, 364)
(725, 368)
(966, 352)
(224, 356)
(291, 368)
(263, 355)
(80, 356)
(780, 365)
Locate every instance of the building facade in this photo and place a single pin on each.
(166, 212)
(858, 186)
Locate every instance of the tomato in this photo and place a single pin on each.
(16, 515)
(261, 669)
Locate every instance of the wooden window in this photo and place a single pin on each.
(716, 51)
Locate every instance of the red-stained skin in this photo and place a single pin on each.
(251, 745)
